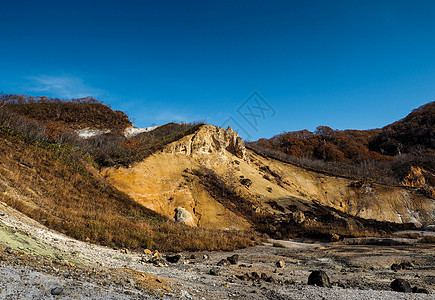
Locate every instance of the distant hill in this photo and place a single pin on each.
(414, 133)
(57, 120)
(384, 154)
(68, 114)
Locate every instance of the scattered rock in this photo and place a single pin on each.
(255, 276)
(160, 263)
(147, 251)
(280, 264)
(126, 251)
(233, 259)
(157, 260)
(278, 245)
(267, 278)
(223, 262)
(298, 217)
(243, 277)
(2, 213)
(343, 285)
(205, 256)
(401, 285)
(182, 215)
(319, 278)
(334, 237)
(56, 291)
(192, 256)
(406, 265)
(402, 266)
(246, 182)
(215, 271)
(420, 290)
(173, 258)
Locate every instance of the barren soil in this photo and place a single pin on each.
(34, 260)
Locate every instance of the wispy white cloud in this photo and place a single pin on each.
(169, 116)
(65, 86)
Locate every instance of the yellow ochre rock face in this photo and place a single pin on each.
(162, 182)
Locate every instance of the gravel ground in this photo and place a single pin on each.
(29, 283)
(34, 260)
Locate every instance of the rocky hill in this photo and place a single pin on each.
(224, 185)
(94, 188)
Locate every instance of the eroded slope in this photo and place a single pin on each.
(207, 171)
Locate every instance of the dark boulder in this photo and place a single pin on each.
(56, 291)
(395, 267)
(319, 278)
(215, 271)
(173, 258)
(419, 290)
(401, 285)
(234, 259)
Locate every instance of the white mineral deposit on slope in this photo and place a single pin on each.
(132, 131)
(88, 132)
(129, 132)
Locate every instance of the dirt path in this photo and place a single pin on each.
(41, 259)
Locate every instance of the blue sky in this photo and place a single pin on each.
(344, 64)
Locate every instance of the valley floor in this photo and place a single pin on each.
(34, 261)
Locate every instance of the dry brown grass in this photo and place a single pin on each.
(55, 186)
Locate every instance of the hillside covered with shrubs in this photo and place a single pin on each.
(384, 155)
(51, 174)
(56, 120)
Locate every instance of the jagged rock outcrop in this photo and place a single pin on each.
(210, 140)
